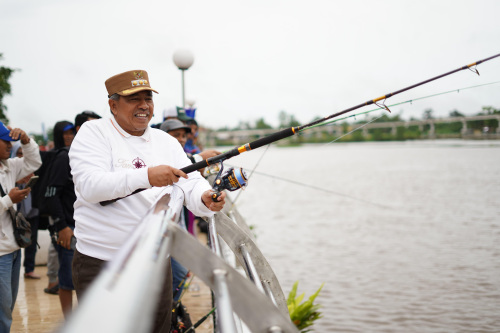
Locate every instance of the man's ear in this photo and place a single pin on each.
(112, 106)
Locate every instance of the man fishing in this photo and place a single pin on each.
(111, 158)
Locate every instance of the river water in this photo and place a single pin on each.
(405, 235)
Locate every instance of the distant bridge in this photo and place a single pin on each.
(426, 126)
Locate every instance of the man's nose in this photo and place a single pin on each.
(143, 104)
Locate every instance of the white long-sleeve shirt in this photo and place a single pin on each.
(11, 170)
(107, 163)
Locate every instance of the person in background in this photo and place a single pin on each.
(113, 157)
(192, 138)
(59, 199)
(179, 131)
(169, 113)
(83, 117)
(12, 169)
(31, 214)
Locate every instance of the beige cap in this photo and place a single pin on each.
(128, 83)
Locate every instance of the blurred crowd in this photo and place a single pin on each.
(48, 204)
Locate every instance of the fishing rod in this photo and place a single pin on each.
(199, 322)
(348, 133)
(404, 102)
(294, 130)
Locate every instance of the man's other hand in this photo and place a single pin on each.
(209, 153)
(212, 205)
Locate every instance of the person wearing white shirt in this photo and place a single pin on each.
(111, 158)
(11, 170)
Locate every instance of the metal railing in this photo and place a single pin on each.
(123, 296)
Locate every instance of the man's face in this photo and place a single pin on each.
(5, 148)
(133, 112)
(180, 134)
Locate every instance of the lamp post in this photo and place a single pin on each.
(183, 59)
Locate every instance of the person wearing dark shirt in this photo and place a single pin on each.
(60, 197)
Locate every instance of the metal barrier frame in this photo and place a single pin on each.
(123, 296)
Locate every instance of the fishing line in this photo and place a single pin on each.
(318, 189)
(354, 130)
(250, 176)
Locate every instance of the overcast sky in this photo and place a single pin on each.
(252, 58)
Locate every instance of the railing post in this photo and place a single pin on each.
(223, 300)
(212, 233)
(252, 273)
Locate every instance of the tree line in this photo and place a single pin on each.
(452, 129)
(288, 120)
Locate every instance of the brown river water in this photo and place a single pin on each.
(405, 235)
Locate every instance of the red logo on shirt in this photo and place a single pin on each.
(138, 163)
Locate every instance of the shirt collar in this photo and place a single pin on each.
(146, 136)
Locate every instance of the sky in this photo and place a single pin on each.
(252, 59)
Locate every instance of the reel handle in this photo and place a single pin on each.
(215, 196)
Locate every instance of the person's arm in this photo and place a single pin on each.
(194, 188)
(31, 160)
(22, 167)
(14, 196)
(5, 203)
(59, 179)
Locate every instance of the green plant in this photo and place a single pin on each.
(303, 315)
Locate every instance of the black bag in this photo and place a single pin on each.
(181, 320)
(40, 189)
(22, 228)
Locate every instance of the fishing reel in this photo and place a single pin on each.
(232, 179)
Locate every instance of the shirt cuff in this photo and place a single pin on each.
(7, 202)
(197, 158)
(138, 178)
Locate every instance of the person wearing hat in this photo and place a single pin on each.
(181, 115)
(31, 214)
(12, 169)
(170, 113)
(179, 131)
(111, 158)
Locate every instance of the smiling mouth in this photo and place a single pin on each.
(142, 115)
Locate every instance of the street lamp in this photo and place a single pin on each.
(183, 59)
